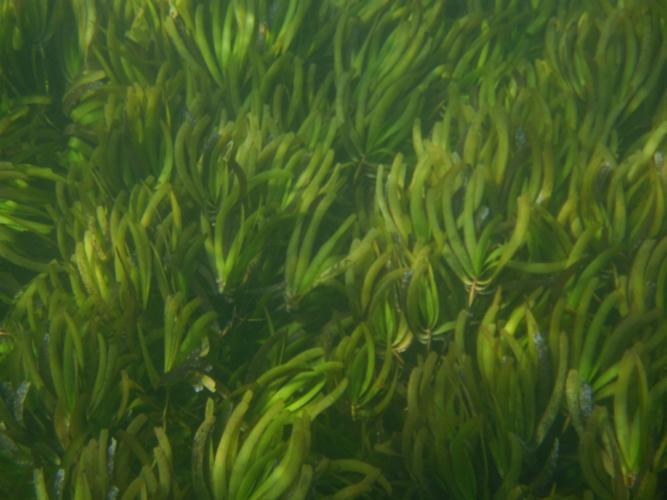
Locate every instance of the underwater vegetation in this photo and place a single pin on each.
(272, 249)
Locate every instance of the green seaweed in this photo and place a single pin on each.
(257, 249)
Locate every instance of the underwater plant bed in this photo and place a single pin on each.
(302, 249)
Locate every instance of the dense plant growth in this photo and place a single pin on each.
(262, 249)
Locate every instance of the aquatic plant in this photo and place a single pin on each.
(256, 249)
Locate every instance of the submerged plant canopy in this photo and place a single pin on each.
(304, 249)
